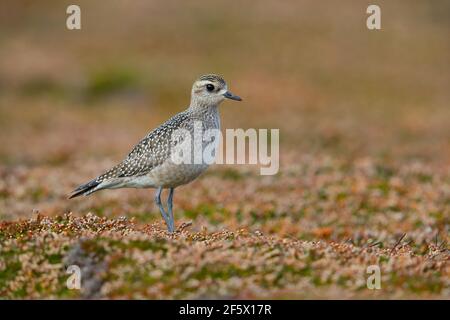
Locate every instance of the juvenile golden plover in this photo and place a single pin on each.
(150, 163)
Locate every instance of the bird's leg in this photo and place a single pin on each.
(170, 211)
(161, 207)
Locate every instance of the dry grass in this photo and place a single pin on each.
(365, 152)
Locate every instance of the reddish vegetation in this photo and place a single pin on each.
(364, 157)
(119, 260)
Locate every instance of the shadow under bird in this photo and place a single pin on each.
(150, 163)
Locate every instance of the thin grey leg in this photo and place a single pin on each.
(161, 208)
(170, 209)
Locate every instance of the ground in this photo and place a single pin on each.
(364, 175)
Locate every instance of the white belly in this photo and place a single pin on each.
(170, 175)
(167, 175)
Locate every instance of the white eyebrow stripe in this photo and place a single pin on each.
(202, 83)
(205, 82)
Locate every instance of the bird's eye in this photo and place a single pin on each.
(209, 87)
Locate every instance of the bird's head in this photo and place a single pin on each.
(210, 90)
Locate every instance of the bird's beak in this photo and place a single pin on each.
(231, 96)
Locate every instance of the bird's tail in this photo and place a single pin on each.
(85, 189)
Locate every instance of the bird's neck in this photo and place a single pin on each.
(209, 115)
(200, 109)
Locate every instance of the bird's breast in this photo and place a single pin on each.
(171, 175)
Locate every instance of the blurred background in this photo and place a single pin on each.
(349, 102)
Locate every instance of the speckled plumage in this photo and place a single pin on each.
(149, 164)
(151, 152)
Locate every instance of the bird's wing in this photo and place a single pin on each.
(150, 152)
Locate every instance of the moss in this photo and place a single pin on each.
(10, 272)
(231, 174)
(222, 271)
(203, 210)
(383, 186)
(111, 80)
(54, 258)
(41, 85)
(323, 195)
(424, 178)
(152, 245)
(20, 293)
(38, 193)
(384, 172)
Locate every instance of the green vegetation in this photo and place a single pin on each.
(364, 133)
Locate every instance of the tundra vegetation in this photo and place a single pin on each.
(363, 178)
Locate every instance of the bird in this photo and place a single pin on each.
(150, 163)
